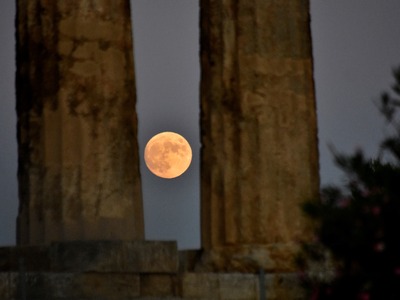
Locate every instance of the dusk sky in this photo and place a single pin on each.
(355, 46)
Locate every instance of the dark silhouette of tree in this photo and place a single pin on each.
(356, 251)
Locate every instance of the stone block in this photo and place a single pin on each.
(28, 257)
(8, 286)
(99, 256)
(283, 286)
(114, 256)
(68, 286)
(249, 258)
(158, 285)
(200, 286)
(226, 286)
(110, 286)
(237, 286)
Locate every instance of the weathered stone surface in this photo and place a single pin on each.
(93, 256)
(250, 258)
(235, 286)
(158, 285)
(259, 138)
(54, 286)
(8, 286)
(114, 256)
(115, 285)
(30, 258)
(77, 128)
(219, 286)
(200, 286)
(283, 287)
(238, 286)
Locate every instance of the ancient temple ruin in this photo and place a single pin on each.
(80, 222)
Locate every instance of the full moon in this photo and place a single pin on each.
(168, 154)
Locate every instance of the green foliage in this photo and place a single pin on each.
(356, 252)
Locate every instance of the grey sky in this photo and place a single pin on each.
(355, 43)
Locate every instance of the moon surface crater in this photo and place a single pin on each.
(168, 154)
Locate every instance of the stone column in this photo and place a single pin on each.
(77, 128)
(258, 131)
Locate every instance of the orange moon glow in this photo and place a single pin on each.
(168, 154)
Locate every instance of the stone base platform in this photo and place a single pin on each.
(93, 256)
(111, 270)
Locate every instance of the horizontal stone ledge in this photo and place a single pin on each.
(69, 286)
(29, 258)
(249, 258)
(88, 286)
(93, 256)
(241, 286)
(111, 286)
(116, 256)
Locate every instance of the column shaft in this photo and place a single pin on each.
(77, 126)
(258, 131)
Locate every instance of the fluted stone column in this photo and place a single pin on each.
(258, 131)
(77, 128)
